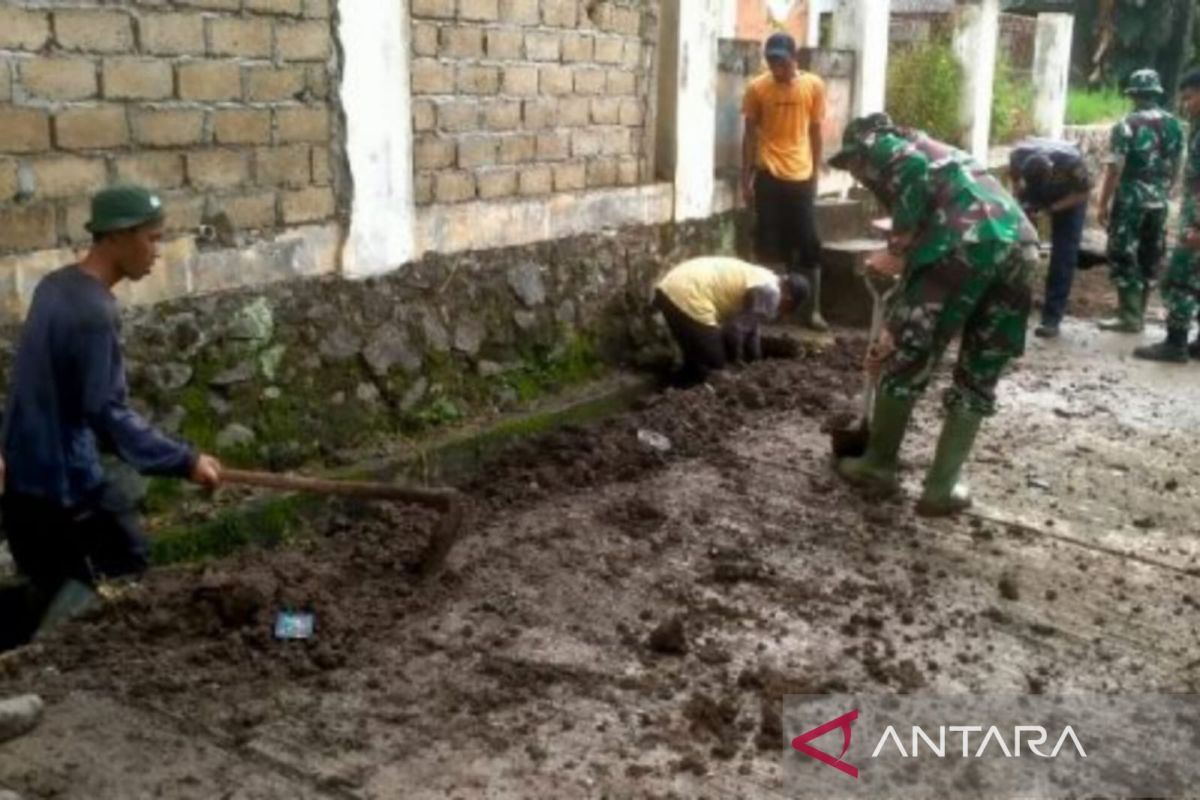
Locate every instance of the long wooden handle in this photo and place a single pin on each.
(437, 498)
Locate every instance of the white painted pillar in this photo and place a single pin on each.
(862, 26)
(976, 31)
(696, 110)
(729, 19)
(377, 100)
(1051, 72)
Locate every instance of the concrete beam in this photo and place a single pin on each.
(977, 27)
(1052, 72)
(862, 26)
(377, 101)
(699, 23)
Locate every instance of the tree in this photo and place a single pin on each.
(1116, 37)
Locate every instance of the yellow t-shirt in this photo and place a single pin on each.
(784, 112)
(712, 289)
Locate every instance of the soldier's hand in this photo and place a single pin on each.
(878, 352)
(207, 471)
(885, 264)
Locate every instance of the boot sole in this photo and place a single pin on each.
(925, 509)
(872, 487)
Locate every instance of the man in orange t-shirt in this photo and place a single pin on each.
(781, 158)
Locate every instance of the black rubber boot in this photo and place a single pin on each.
(1173, 350)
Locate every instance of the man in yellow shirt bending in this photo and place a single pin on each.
(781, 157)
(714, 306)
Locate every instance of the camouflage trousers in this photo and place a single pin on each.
(1137, 242)
(1181, 288)
(983, 296)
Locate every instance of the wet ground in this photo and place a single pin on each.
(622, 621)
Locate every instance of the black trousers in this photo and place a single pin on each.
(785, 223)
(50, 544)
(703, 345)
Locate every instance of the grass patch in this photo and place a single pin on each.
(1086, 107)
(267, 524)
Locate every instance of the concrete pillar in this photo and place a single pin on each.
(977, 27)
(377, 100)
(862, 26)
(815, 9)
(1051, 72)
(699, 22)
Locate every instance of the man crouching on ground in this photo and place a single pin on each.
(714, 306)
(68, 401)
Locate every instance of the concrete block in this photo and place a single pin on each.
(610, 49)
(471, 79)
(577, 47)
(574, 112)
(303, 41)
(540, 113)
(432, 77)
(28, 227)
(520, 12)
(460, 41)
(520, 81)
(302, 125)
(244, 37)
(24, 130)
(138, 79)
(518, 149)
(9, 183)
(282, 166)
(586, 142)
(242, 126)
(536, 180)
(438, 9)
(496, 183)
(322, 167)
(627, 21)
(424, 39)
(628, 171)
(307, 205)
(606, 111)
(292, 7)
(477, 151)
(559, 13)
(156, 170)
(622, 82)
(502, 115)
(543, 46)
(433, 152)
(632, 112)
(504, 44)
(172, 34)
(423, 188)
(453, 187)
(616, 142)
(272, 84)
(59, 78)
(602, 172)
(570, 177)
(67, 176)
(91, 128)
(217, 169)
(590, 81)
(168, 128)
(23, 29)
(94, 31)
(479, 10)
(554, 146)
(555, 80)
(424, 115)
(319, 9)
(631, 58)
(210, 81)
(458, 115)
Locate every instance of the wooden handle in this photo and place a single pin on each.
(442, 499)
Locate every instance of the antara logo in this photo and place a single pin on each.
(1033, 736)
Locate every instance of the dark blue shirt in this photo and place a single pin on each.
(68, 399)
(1067, 172)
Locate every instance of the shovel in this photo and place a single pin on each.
(450, 502)
(852, 442)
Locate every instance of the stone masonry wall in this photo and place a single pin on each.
(224, 105)
(530, 97)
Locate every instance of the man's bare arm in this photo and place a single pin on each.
(1111, 172)
(749, 158)
(818, 152)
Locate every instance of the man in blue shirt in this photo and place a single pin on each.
(1051, 176)
(68, 400)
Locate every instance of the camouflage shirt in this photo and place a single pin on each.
(1150, 140)
(1190, 215)
(943, 203)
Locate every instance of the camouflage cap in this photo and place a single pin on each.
(120, 208)
(854, 139)
(1143, 82)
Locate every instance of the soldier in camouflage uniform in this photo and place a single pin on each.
(1181, 287)
(964, 252)
(1147, 146)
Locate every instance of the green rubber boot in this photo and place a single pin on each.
(877, 468)
(810, 312)
(1131, 310)
(1173, 350)
(945, 493)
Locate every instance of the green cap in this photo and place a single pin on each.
(120, 208)
(1144, 81)
(854, 139)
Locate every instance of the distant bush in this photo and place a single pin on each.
(924, 87)
(1012, 103)
(1094, 107)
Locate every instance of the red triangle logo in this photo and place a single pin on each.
(801, 743)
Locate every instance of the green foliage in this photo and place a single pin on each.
(924, 85)
(1095, 107)
(1012, 103)
(267, 524)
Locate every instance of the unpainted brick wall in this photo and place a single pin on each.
(530, 97)
(223, 105)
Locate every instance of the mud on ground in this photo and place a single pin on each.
(623, 621)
